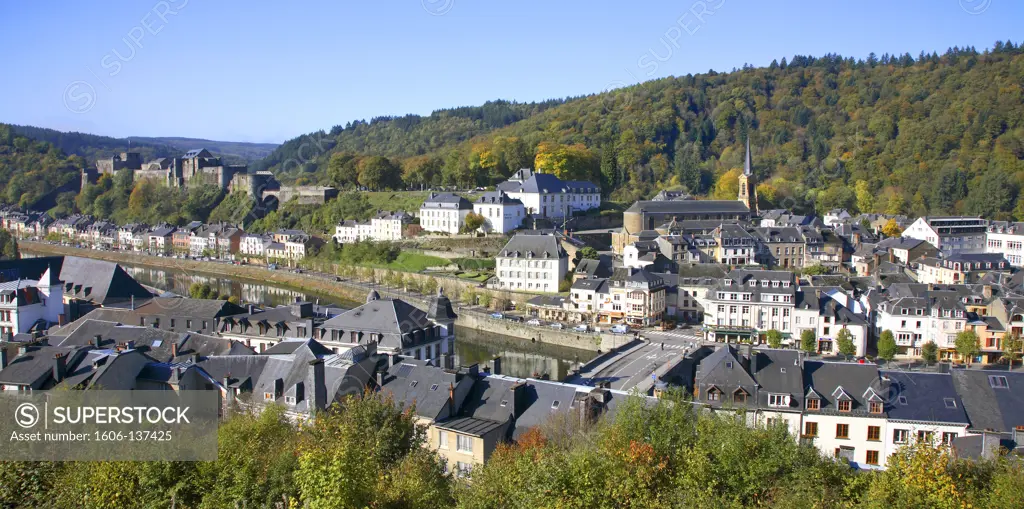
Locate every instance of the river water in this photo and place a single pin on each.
(517, 358)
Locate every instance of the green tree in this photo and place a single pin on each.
(887, 347)
(473, 222)
(808, 343)
(930, 353)
(8, 246)
(378, 172)
(844, 341)
(1012, 348)
(774, 338)
(967, 345)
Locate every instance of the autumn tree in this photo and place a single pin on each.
(892, 229)
(473, 222)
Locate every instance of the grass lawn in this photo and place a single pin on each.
(416, 262)
(409, 201)
(479, 277)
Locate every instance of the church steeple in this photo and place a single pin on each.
(746, 165)
(748, 184)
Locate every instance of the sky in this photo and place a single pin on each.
(267, 71)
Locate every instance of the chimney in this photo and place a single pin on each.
(446, 361)
(931, 287)
(22, 350)
(393, 359)
(892, 256)
(451, 399)
(745, 355)
(96, 340)
(316, 375)
(380, 379)
(130, 345)
(174, 349)
(60, 367)
(487, 370)
(986, 291)
(252, 308)
(496, 363)
(878, 260)
(3, 358)
(228, 391)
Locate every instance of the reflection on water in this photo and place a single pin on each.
(247, 291)
(518, 358)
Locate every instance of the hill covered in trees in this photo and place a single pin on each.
(31, 171)
(896, 133)
(92, 147)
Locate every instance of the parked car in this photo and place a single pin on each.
(534, 322)
(620, 329)
(581, 328)
(513, 318)
(555, 325)
(497, 316)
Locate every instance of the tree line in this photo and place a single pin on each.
(366, 453)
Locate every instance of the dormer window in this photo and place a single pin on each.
(875, 407)
(813, 404)
(844, 405)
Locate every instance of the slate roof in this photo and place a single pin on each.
(416, 383)
(593, 268)
(446, 201)
(690, 207)
(988, 407)
(35, 367)
(155, 343)
(834, 381)
(538, 246)
(497, 198)
(99, 282)
(923, 397)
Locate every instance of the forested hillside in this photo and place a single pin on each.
(30, 170)
(896, 133)
(92, 147)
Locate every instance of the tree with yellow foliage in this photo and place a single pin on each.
(891, 229)
(728, 185)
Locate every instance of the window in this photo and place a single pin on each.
(842, 431)
(268, 396)
(778, 400)
(900, 436)
(813, 404)
(554, 404)
(925, 436)
(810, 429)
(949, 402)
(290, 400)
(845, 405)
(875, 407)
(998, 382)
(874, 433)
(948, 437)
(845, 453)
(442, 439)
(463, 469)
(464, 443)
(713, 395)
(872, 458)
(739, 396)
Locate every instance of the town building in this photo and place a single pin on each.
(950, 235)
(544, 195)
(959, 268)
(444, 213)
(746, 304)
(532, 261)
(501, 212)
(1007, 239)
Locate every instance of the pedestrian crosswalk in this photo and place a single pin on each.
(674, 334)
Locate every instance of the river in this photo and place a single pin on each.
(517, 358)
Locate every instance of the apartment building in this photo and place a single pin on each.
(547, 196)
(951, 235)
(501, 212)
(444, 213)
(532, 261)
(1007, 239)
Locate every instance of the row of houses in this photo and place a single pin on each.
(860, 412)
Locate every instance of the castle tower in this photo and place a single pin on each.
(748, 185)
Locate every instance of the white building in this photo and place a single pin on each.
(1006, 239)
(921, 406)
(746, 304)
(917, 314)
(835, 216)
(501, 212)
(827, 312)
(532, 261)
(388, 226)
(30, 305)
(253, 245)
(444, 213)
(545, 195)
(950, 235)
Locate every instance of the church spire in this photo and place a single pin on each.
(746, 165)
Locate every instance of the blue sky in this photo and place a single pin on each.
(270, 70)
